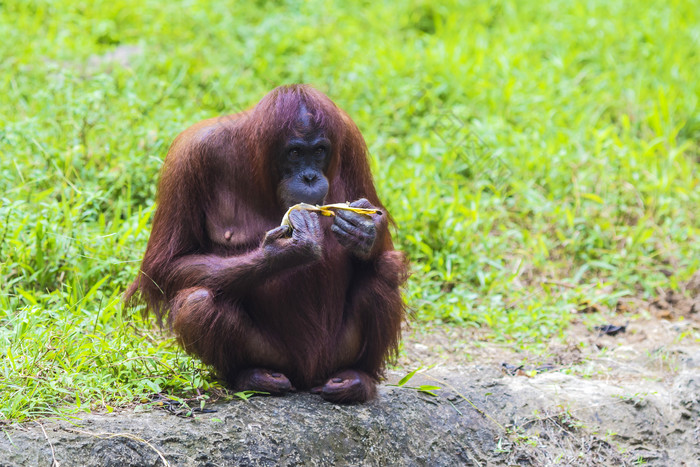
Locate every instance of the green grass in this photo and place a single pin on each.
(518, 145)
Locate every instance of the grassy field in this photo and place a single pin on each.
(534, 155)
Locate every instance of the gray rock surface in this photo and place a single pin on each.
(550, 419)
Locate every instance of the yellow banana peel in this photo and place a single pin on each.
(327, 210)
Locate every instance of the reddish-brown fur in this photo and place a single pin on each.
(202, 269)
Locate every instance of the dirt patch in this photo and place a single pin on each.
(650, 335)
(647, 356)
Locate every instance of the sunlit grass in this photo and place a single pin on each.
(519, 146)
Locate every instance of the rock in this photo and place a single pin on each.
(552, 418)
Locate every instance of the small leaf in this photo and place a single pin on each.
(245, 395)
(427, 389)
(593, 197)
(408, 377)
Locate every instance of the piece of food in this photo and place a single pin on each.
(327, 210)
